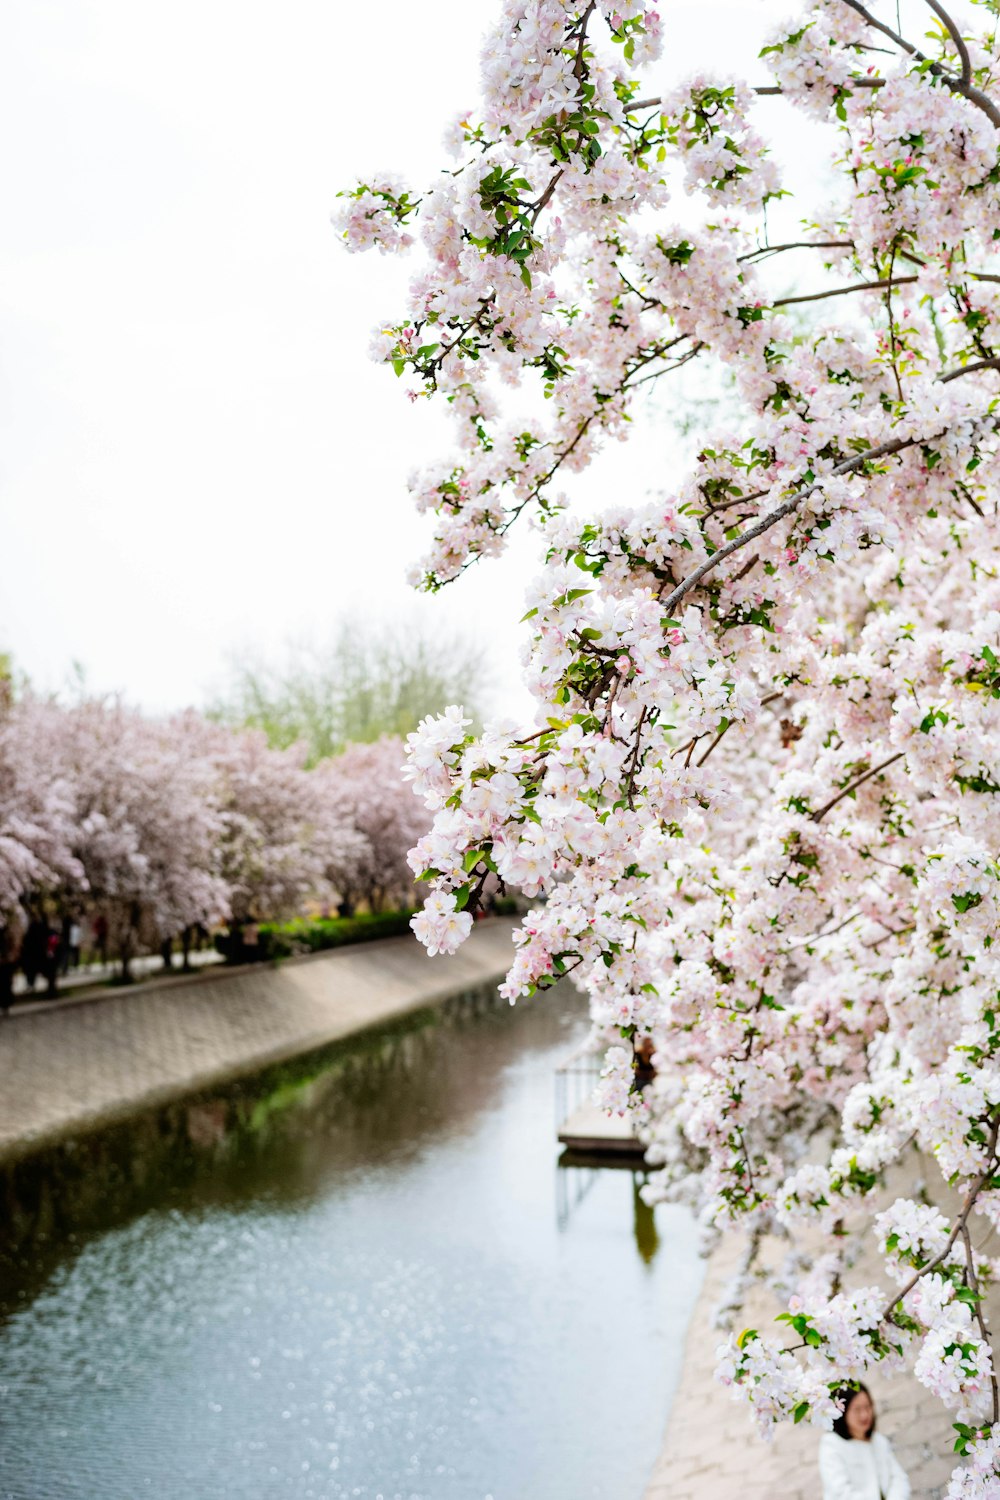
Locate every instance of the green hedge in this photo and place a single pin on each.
(313, 934)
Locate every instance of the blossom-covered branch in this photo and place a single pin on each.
(759, 792)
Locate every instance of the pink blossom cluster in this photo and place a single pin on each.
(758, 799)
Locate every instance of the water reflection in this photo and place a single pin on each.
(647, 1237)
(383, 1288)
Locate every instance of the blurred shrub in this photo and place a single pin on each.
(314, 934)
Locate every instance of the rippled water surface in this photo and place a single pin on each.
(395, 1294)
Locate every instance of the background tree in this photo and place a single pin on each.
(368, 681)
(146, 823)
(37, 810)
(365, 788)
(269, 850)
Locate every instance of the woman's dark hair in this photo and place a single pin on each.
(846, 1396)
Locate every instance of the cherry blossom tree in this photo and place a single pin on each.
(272, 848)
(146, 824)
(759, 792)
(36, 811)
(364, 788)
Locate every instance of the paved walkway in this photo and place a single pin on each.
(711, 1450)
(147, 964)
(86, 1064)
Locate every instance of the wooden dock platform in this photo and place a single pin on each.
(590, 1131)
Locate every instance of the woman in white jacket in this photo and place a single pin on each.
(855, 1461)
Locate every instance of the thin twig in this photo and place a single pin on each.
(974, 1283)
(712, 746)
(630, 778)
(544, 199)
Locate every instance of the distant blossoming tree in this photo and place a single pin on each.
(271, 845)
(365, 788)
(761, 790)
(157, 826)
(145, 822)
(37, 808)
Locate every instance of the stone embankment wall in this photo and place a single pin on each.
(97, 1095)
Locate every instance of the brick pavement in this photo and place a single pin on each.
(89, 1064)
(711, 1450)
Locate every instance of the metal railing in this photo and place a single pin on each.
(576, 1080)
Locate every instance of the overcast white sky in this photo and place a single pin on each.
(196, 454)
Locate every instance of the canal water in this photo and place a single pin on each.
(383, 1290)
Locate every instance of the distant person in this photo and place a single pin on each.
(855, 1461)
(643, 1068)
(9, 953)
(65, 946)
(250, 941)
(53, 960)
(101, 937)
(34, 950)
(75, 941)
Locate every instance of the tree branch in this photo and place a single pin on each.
(847, 790)
(797, 245)
(963, 53)
(961, 85)
(547, 194)
(761, 90)
(970, 1264)
(980, 364)
(842, 291)
(967, 1206)
(884, 450)
(847, 466)
(634, 760)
